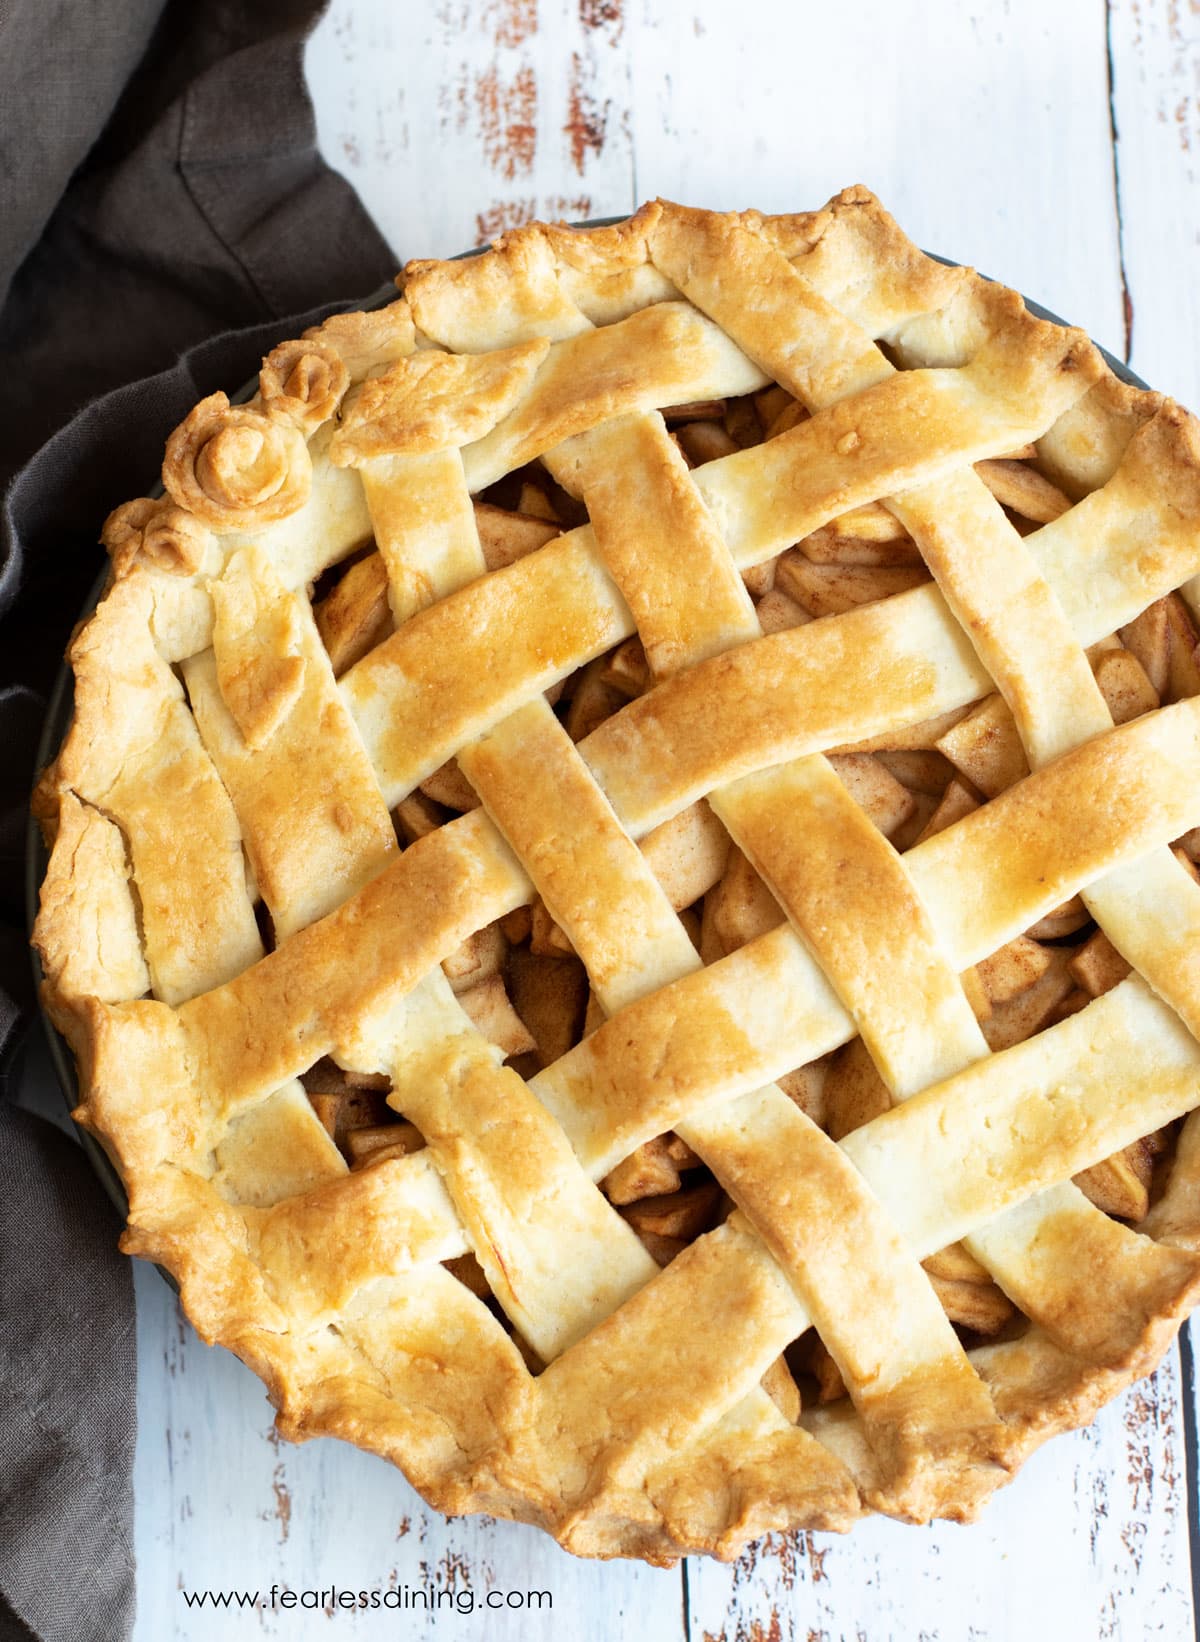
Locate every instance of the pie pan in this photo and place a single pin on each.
(699, 720)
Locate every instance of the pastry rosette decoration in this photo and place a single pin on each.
(157, 532)
(303, 382)
(236, 467)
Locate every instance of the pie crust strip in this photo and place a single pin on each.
(135, 755)
(312, 844)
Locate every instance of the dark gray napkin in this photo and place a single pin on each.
(163, 207)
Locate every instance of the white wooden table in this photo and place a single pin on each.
(1052, 143)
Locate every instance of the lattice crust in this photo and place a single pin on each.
(300, 811)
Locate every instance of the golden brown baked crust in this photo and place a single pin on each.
(232, 751)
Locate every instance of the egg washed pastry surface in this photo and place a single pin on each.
(622, 878)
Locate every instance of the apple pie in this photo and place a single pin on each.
(622, 878)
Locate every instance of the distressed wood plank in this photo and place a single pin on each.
(1156, 114)
(458, 119)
